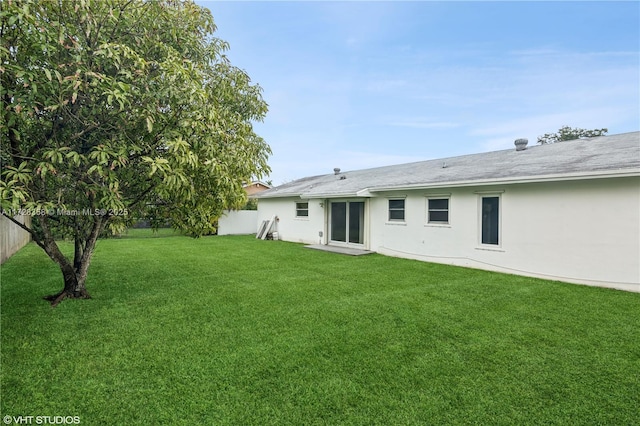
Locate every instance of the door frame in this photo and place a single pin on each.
(365, 223)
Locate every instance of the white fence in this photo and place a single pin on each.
(12, 237)
(238, 222)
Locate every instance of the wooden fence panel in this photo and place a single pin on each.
(12, 237)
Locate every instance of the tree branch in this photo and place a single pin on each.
(25, 228)
(142, 195)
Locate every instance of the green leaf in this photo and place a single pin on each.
(165, 119)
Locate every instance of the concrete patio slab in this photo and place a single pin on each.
(341, 250)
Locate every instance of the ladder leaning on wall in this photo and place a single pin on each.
(265, 228)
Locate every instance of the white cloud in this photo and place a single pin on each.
(357, 85)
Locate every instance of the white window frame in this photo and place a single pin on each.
(404, 209)
(430, 197)
(299, 209)
(481, 196)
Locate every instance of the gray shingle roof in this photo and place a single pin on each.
(615, 155)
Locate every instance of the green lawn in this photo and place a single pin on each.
(238, 331)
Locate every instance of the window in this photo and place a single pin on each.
(490, 220)
(302, 209)
(438, 210)
(396, 210)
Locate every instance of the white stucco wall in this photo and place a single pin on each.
(238, 222)
(576, 231)
(289, 227)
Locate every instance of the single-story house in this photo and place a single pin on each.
(568, 211)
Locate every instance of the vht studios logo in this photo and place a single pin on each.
(41, 420)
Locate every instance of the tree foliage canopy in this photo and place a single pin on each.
(124, 108)
(566, 133)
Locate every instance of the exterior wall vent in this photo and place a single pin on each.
(521, 144)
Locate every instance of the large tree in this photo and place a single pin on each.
(566, 133)
(120, 109)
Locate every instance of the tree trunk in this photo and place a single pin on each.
(78, 249)
(75, 274)
(74, 288)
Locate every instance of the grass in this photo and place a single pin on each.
(237, 331)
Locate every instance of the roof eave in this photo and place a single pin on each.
(263, 196)
(311, 196)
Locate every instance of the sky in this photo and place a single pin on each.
(361, 84)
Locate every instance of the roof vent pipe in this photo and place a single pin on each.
(521, 144)
(336, 171)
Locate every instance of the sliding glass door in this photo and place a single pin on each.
(347, 222)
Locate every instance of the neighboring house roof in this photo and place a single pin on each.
(256, 187)
(598, 157)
